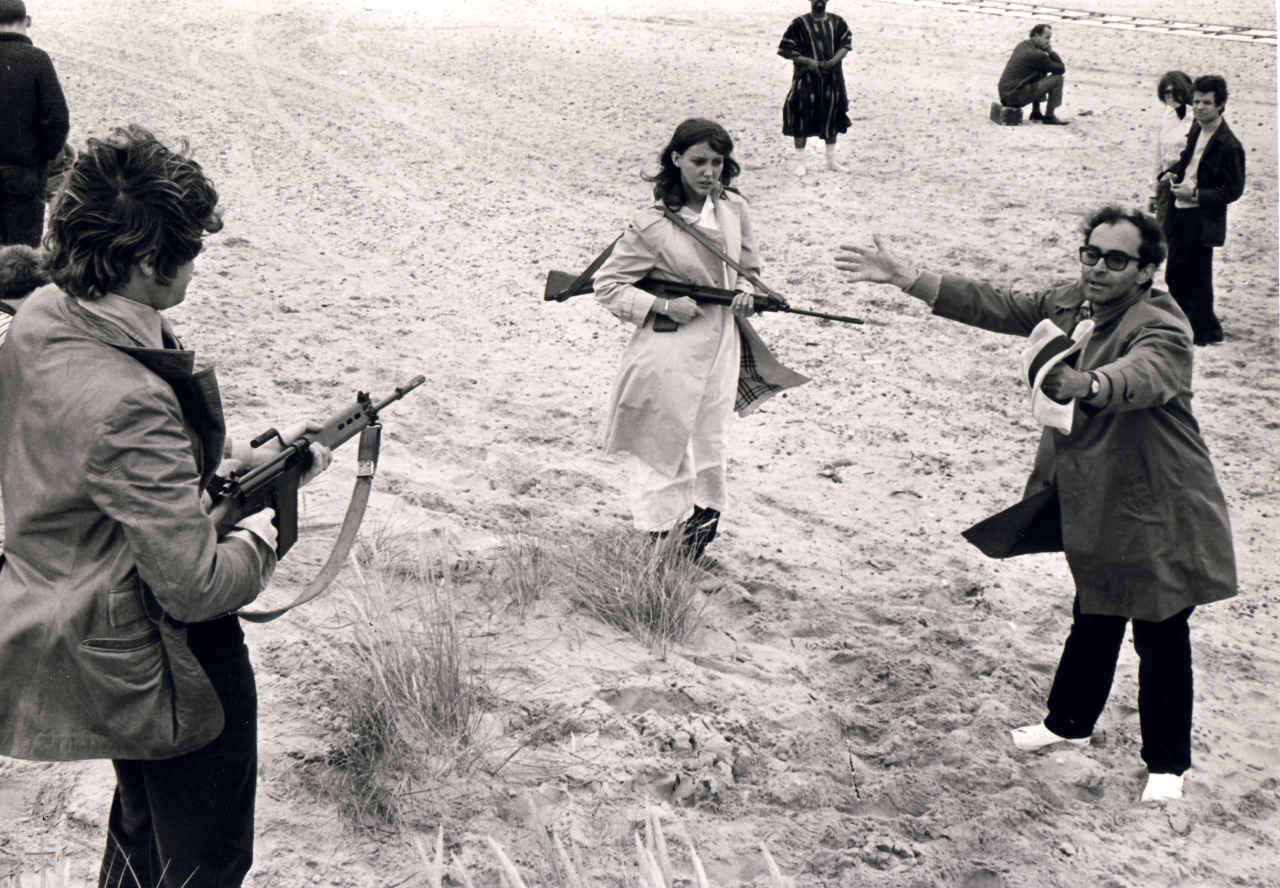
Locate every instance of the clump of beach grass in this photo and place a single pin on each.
(527, 569)
(411, 691)
(649, 588)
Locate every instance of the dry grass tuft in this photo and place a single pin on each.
(647, 588)
(411, 689)
(655, 867)
(527, 568)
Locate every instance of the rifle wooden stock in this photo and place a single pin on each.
(274, 484)
(559, 288)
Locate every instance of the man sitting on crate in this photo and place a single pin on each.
(1034, 73)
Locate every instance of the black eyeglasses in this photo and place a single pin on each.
(1115, 259)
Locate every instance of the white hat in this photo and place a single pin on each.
(1047, 347)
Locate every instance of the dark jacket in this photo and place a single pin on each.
(1219, 179)
(33, 111)
(103, 532)
(1144, 522)
(1027, 64)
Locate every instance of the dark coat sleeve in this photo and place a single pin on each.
(1153, 368)
(54, 120)
(1055, 63)
(1226, 179)
(980, 304)
(795, 42)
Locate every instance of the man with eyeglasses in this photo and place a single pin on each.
(1208, 176)
(33, 127)
(1142, 519)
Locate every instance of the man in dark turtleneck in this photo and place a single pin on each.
(1130, 491)
(33, 126)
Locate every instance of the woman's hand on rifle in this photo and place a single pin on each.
(682, 309)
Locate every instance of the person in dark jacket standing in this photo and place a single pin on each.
(1143, 521)
(33, 126)
(1208, 176)
(1034, 73)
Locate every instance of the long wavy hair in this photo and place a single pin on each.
(1179, 84)
(128, 199)
(668, 186)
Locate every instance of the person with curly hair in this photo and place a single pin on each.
(120, 638)
(1207, 177)
(1129, 493)
(687, 367)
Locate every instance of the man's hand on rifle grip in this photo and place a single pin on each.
(262, 525)
(744, 304)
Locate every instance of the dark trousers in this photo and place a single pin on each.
(1083, 683)
(188, 821)
(1189, 273)
(1048, 87)
(21, 220)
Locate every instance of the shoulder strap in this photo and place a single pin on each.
(716, 251)
(582, 283)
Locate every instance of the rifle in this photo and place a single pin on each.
(274, 484)
(562, 285)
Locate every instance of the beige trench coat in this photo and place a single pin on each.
(662, 376)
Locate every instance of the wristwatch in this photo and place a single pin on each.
(1095, 384)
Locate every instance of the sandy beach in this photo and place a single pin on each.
(398, 179)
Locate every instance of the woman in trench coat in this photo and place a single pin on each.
(676, 389)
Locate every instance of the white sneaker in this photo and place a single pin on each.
(1038, 736)
(1162, 787)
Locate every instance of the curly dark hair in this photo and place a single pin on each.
(1212, 83)
(128, 199)
(1179, 84)
(667, 184)
(1151, 251)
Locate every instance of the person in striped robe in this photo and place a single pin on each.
(817, 103)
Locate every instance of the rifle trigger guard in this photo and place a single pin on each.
(367, 454)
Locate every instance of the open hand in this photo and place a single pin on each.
(877, 265)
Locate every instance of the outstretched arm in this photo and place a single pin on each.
(877, 266)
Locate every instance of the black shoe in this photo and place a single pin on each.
(699, 531)
(1034, 116)
(1050, 120)
(1209, 338)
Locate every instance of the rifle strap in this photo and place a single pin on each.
(707, 242)
(582, 283)
(366, 466)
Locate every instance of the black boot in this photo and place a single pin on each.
(700, 530)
